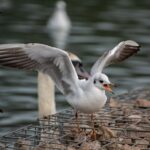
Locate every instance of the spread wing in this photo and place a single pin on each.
(118, 54)
(50, 60)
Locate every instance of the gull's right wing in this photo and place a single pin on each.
(118, 54)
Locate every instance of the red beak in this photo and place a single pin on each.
(107, 87)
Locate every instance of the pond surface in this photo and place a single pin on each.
(97, 25)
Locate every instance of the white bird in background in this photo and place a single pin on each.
(87, 96)
(46, 88)
(59, 25)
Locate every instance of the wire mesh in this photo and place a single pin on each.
(124, 127)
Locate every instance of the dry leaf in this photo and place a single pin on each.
(134, 127)
(95, 145)
(22, 144)
(2, 146)
(106, 133)
(48, 146)
(42, 146)
(114, 103)
(142, 141)
(126, 110)
(142, 103)
(135, 118)
(127, 147)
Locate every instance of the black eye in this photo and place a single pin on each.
(75, 63)
(94, 81)
(80, 64)
(101, 81)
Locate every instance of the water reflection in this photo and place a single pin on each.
(96, 26)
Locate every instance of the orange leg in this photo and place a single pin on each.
(93, 135)
(77, 121)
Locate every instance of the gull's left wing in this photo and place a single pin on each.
(50, 60)
(118, 54)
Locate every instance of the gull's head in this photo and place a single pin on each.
(60, 5)
(77, 63)
(102, 81)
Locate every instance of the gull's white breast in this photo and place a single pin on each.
(88, 100)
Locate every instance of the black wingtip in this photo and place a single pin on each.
(1, 110)
(131, 47)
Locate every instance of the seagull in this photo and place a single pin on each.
(87, 96)
(59, 25)
(46, 87)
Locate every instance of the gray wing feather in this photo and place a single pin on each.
(118, 54)
(34, 56)
(15, 57)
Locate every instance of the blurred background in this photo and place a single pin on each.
(95, 26)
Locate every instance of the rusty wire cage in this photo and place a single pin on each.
(117, 128)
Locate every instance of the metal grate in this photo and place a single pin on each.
(121, 127)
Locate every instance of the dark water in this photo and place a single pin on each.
(98, 25)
